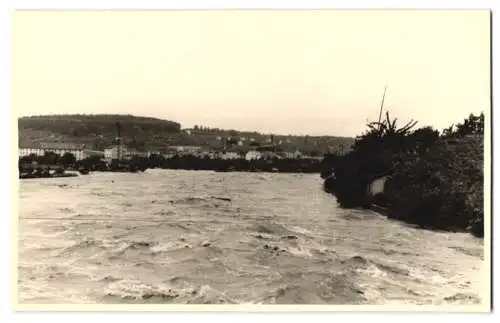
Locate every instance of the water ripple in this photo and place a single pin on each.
(212, 238)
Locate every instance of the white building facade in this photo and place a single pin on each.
(293, 155)
(126, 153)
(253, 154)
(60, 149)
(91, 153)
(231, 155)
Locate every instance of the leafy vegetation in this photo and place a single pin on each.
(434, 181)
(442, 188)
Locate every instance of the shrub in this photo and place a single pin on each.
(435, 181)
(441, 189)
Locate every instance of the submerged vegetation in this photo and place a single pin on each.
(433, 180)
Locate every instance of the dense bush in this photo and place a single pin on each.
(434, 181)
(373, 155)
(441, 188)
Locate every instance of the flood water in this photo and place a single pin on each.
(169, 236)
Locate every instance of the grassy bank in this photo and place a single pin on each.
(434, 180)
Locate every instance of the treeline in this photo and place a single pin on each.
(68, 160)
(84, 125)
(239, 165)
(435, 180)
(94, 163)
(49, 158)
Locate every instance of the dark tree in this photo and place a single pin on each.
(68, 159)
(473, 125)
(49, 158)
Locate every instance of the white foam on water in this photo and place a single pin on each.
(137, 254)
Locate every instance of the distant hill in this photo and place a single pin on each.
(99, 131)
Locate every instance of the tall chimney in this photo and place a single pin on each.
(119, 140)
(118, 130)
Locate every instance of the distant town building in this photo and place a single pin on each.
(126, 153)
(253, 154)
(268, 154)
(90, 153)
(154, 152)
(136, 153)
(231, 155)
(203, 153)
(185, 150)
(271, 152)
(168, 155)
(312, 157)
(292, 155)
(28, 150)
(57, 147)
(112, 152)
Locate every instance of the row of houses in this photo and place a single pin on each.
(238, 140)
(78, 150)
(81, 152)
(200, 152)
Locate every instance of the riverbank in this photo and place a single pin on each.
(30, 171)
(194, 163)
(55, 175)
(433, 181)
(242, 165)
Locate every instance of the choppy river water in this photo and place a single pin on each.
(168, 236)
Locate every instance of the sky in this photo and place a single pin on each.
(285, 72)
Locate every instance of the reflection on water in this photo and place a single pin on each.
(169, 236)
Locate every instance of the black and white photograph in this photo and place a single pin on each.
(253, 157)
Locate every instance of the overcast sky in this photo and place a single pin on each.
(297, 72)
